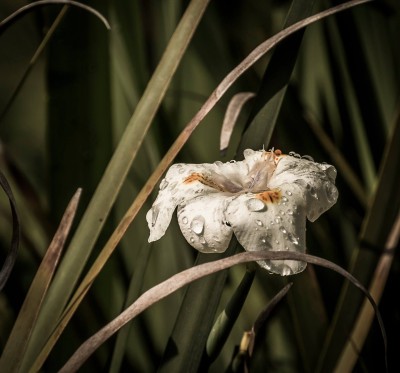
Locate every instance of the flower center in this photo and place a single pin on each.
(255, 181)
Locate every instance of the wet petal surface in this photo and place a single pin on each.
(203, 224)
(280, 226)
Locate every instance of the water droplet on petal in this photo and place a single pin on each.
(282, 229)
(191, 239)
(255, 204)
(154, 215)
(184, 220)
(289, 212)
(218, 163)
(277, 219)
(277, 242)
(197, 225)
(263, 240)
(202, 240)
(284, 199)
(259, 223)
(232, 161)
(248, 152)
(313, 193)
(331, 192)
(294, 239)
(308, 157)
(289, 193)
(163, 184)
(286, 271)
(331, 172)
(181, 170)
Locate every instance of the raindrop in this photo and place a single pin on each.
(163, 184)
(313, 193)
(197, 225)
(218, 163)
(259, 223)
(289, 212)
(308, 157)
(282, 229)
(191, 239)
(289, 193)
(263, 240)
(181, 170)
(154, 215)
(331, 172)
(293, 154)
(331, 192)
(286, 271)
(232, 161)
(184, 220)
(202, 240)
(277, 219)
(248, 153)
(255, 204)
(277, 242)
(294, 239)
(284, 199)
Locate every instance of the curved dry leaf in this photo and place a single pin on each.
(232, 113)
(183, 278)
(27, 8)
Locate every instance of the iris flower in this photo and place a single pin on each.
(264, 200)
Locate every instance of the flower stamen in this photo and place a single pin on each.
(270, 196)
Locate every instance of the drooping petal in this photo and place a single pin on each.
(277, 224)
(202, 223)
(186, 181)
(179, 185)
(316, 179)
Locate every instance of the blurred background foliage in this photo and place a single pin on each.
(62, 116)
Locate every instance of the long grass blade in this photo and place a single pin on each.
(361, 328)
(16, 344)
(15, 235)
(384, 207)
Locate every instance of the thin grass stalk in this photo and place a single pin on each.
(33, 60)
(338, 158)
(355, 342)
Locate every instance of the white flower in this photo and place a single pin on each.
(264, 200)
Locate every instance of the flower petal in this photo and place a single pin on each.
(178, 185)
(202, 223)
(316, 180)
(279, 225)
(186, 181)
